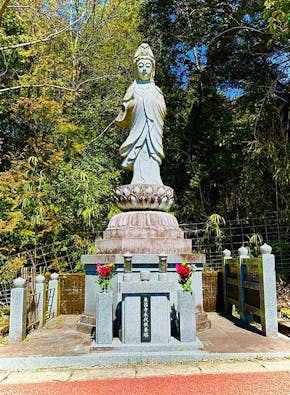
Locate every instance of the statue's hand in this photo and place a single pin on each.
(124, 117)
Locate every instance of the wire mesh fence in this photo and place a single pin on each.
(50, 257)
(45, 258)
(271, 229)
(5, 293)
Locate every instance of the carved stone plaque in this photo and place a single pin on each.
(145, 319)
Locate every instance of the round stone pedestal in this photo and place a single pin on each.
(143, 232)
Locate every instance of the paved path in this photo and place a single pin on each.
(60, 338)
(270, 383)
(230, 336)
(149, 369)
(59, 341)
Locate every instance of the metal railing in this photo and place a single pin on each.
(50, 299)
(32, 311)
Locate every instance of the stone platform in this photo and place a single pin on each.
(227, 339)
(172, 345)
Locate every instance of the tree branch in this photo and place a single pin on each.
(235, 28)
(3, 9)
(5, 63)
(13, 88)
(27, 86)
(95, 79)
(100, 135)
(45, 39)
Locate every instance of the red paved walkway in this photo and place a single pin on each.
(270, 383)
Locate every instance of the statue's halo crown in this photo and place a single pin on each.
(144, 52)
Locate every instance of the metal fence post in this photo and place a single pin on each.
(18, 311)
(269, 296)
(41, 290)
(243, 254)
(54, 288)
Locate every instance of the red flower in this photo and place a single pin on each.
(183, 271)
(104, 270)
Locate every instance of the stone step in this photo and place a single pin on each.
(202, 326)
(86, 323)
(202, 322)
(88, 319)
(85, 328)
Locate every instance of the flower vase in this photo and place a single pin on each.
(104, 317)
(186, 313)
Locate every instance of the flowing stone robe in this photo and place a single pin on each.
(143, 111)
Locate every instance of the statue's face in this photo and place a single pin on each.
(144, 69)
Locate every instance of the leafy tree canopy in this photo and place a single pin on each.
(64, 67)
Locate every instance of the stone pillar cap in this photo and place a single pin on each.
(19, 282)
(265, 249)
(54, 276)
(40, 278)
(243, 251)
(227, 253)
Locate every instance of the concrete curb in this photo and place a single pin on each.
(103, 359)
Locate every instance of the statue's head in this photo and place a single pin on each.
(144, 63)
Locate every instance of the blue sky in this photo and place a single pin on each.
(182, 69)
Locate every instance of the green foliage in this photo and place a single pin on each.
(60, 159)
(60, 146)
(285, 313)
(213, 231)
(224, 149)
(10, 268)
(255, 242)
(277, 14)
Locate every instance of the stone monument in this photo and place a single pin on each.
(144, 241)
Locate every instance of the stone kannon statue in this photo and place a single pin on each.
(143, 111)
(144, 225)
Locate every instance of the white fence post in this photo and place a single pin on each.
(269, 321)
(18, 311)
(40, 287)
(54, 293)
